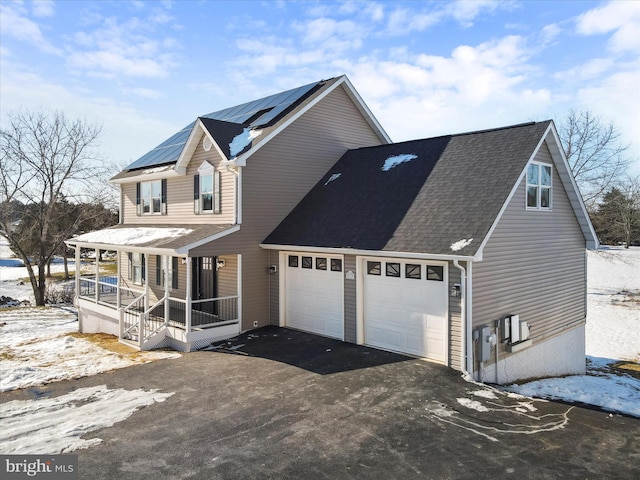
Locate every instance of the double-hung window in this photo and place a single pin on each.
(151, 198)
(539, 186)
(206, 189)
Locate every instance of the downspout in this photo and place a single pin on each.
(465, 355)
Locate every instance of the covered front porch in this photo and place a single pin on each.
(154, 298)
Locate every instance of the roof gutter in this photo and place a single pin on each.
(369, 253)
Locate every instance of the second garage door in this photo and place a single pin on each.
(406, 307)
(314, 294)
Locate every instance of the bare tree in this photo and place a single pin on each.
(594, 151)
(46, 159)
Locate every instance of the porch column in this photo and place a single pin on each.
(188, 297)
(167, 284)
(77, 274)
(97, 263)
(118, 291)
(240, 290)
(146, 282)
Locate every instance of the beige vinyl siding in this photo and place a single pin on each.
(276, 178)
(455, 321)
(533, 266)
(228, 276)
(274, 288)
(350, 299)
(180, 202)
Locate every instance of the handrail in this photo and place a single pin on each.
(155, 305)
(138, 298)
(214, 299)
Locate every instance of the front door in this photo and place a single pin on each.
(205, 284)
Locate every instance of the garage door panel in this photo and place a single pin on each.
(314, 297)
(406, 314)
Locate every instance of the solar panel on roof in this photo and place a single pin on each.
(272, 106)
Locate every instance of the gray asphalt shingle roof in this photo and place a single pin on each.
(452, 190)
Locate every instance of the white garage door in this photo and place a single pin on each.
(314, 294)
(405, 307)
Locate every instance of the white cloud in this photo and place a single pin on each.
(43, 8)
(123, 49)
(621, 18)
(14, 23)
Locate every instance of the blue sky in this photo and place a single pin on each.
(145, 69)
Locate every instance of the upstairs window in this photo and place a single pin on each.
(539, 186)
(151, 198)
(206, 189)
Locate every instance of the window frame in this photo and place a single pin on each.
(209, 174)
(137, 263)
(151, 193)
(539, 186)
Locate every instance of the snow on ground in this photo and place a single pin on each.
(36, 348)
(612, 335)
(56, 425)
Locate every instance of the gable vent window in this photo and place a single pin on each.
(539, 186)
(206, 189)
(151, 198)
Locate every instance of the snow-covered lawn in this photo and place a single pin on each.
(37, 347)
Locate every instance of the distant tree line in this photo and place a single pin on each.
(617, 217)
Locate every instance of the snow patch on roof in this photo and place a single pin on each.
(131, 236)
(164, 168)
(395, 160)
(240, 142)
(460, 244)
(333, 177)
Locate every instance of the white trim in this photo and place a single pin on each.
(242, 159)
(359, 252)
(282, 285)
(240, 296)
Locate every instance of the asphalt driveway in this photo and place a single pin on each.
(281, 404)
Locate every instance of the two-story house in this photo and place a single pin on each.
(297, 210)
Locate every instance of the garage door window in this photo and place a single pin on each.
(412, 271)
(293, 260)
(336, 265)
(435, 272)
(373, 268)
(307, 262)
(321, 263)
(393, 269)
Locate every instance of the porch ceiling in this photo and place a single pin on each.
(172, 239)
